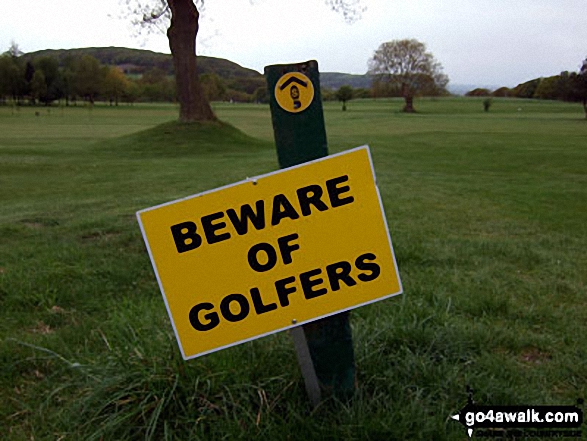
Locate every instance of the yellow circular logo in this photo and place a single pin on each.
(294, 92)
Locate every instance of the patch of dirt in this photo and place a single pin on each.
(58, 310)
(33, 225)
(99, 235)
(42, 328)
(38, 222)
(534, 356)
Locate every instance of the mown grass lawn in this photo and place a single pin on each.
(487, 213)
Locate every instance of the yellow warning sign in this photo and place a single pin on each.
(271, 252)
(294, 92)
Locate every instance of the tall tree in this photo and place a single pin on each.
(89, 77)
(549, 88)
(182, 32)
(38, 87)
(11, 76)
(214, 87)
(344, 94)
(406, 66)
(49, 66)
(5, 76)
(12, 70)
(183, 18)
(156, 86)
(115, 84)
(578, 86)
(68, 78)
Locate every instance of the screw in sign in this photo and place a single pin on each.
(294, 92)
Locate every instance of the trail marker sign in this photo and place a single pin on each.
(271, 252)
(294, 92)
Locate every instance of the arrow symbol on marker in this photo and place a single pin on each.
(293, 80)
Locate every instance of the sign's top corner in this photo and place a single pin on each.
(292, 66)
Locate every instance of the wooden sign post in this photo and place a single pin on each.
(300, 136)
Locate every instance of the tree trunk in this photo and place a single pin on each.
(409, 107)
(193, 105)
(409, 99)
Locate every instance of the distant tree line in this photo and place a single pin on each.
(380, 89)
(72, 77)
(130, 75)
(45, 79)
(568, 86)
(356, 93)
(69, 78)
(557, 87)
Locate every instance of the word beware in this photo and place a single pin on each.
(308, 198)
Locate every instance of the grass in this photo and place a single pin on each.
(486, 212)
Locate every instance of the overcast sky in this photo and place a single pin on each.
(482, 42)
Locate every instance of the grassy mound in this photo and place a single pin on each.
(176, 139)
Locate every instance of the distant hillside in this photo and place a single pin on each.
(461, 89)
(139, 60)
(333, 80)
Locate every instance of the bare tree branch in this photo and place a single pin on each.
(147, 15)
(351, 10)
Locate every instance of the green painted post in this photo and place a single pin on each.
(300, 136)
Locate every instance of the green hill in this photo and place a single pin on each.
(333, 80)
(139, 60)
